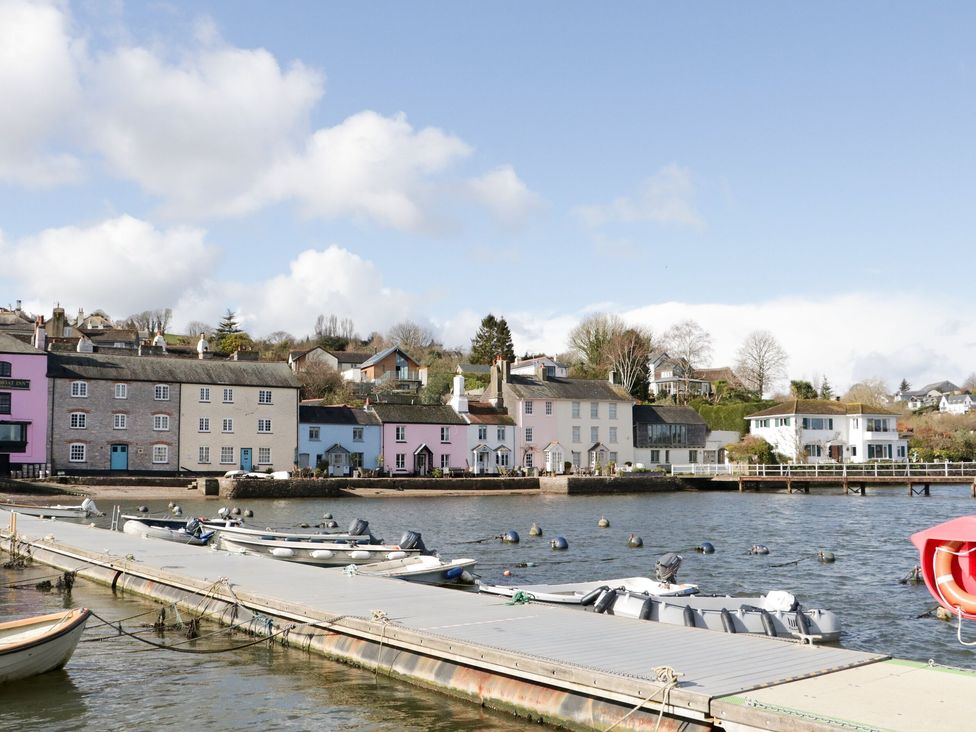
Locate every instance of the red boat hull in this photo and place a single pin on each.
(947, 555)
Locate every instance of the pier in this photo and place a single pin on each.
(570, 668)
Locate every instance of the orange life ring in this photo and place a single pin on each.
(951, 592)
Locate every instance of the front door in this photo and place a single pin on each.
(4, 464)
(482, 463)
(422, 463)
(246, 458)
(120, 457)
(337, 465)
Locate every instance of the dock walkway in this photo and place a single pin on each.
(571, 668)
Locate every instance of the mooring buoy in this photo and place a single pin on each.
(248, 513)
(326, 515)
(825, 557)
(559, 543)
(535, 530)
(635, 542)
(236, 511)
(706, 548)
(143, 509)
(759, 549)
(603, 523)
(510, 537)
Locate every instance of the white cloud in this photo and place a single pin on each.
(368, 166)
(121, 265)
(39, 89)
(201, 134)
(667, 197)
(505, 195)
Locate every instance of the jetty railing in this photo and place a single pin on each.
(831, 470)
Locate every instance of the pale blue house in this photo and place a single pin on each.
(346, 437)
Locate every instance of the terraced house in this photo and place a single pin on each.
(23, 405)
(112, 413)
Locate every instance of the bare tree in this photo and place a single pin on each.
(590, 339)
(760, 362)
(320, 381)
(196, 327)
(347, 329)
(410, 337)
(627, 354)
(151, 320)
(691, 343)
(869, 391)
(970, 383)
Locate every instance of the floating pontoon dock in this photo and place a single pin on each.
(570, 668)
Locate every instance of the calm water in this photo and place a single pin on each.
(116, 684)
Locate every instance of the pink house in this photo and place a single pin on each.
(417, 438)
(23, 405)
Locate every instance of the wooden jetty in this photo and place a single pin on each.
(574, 669)
(851, 484)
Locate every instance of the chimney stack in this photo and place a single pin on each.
(40, 336)
(459, 402)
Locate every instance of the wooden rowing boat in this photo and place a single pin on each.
(36, 645)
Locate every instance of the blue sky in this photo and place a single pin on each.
(801, 168)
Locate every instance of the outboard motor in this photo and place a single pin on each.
(358, 527)
(666, 567)
(412, 540)
(193, 527)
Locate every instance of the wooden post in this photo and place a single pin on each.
(740, 486)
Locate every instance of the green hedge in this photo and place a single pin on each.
(729, 416)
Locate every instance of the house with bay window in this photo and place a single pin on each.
(587, 423)
(347, 438)
(23, 406)
(821, 431)
(417, 438)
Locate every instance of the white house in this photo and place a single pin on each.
(929, 395)
(528, 367)
(820, 431)
(491, 433)
(956, 403)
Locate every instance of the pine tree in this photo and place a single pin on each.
(228, 324)
(492, 339)
(905, 386)
(826, 392)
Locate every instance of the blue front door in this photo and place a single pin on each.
(245, 458)
(120, 457)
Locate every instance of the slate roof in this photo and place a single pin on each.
(818, 406)
(308, 414)
(529, 387)
(10, 344)
(354, 357)
(174, 370)
(416, 414)
(957, 398)
(943, 387)
(486, 414)
(650, 414)
(377, 357)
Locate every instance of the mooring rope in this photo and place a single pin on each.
(521, 598)
(664, 675)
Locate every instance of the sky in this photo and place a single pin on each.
(805, 169)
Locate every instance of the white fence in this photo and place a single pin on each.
(832, 470)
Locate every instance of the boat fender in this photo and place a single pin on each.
(535, 530)
(454, 573)
(321, 554)
(706, 548)
(282, 552)
(769, 626)
(396, 555)
(605, 603)
(359, 554)
(412, 540)
(358, 527)
(647, 609)
(559, 543)
(689, 616)
(727, 623)
(802, 623)
(590, 597)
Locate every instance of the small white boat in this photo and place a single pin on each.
(423, 568)
(191, 532)
(359, 533)
(36, 645)
(586, 593)
(325, 553)
(86, 509)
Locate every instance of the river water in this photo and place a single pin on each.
(122, 684)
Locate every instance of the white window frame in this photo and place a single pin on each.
(79, 390)
(228, 396)
(74, 448)
(401, 461)
(121, 391)
(594, 435)
(548, 408)
(160, 454)
(528, 434)
(161, 393)
(264, 396)
(527, 407)
(594, 410)
(264, 426)
(226, 455)
(264, 456)
(482, 433)
(120, 421)
(400, 433)
(227, 425)
(357, 434)
(613, 436)
(500, 434)
(203, 455)
(612, 407)
(445, 434)
(161, 423)
(445, 461)
(78, 421)
(204, 394)
(577, 434)
(576, 410)
(314, 433)
(203, 424)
